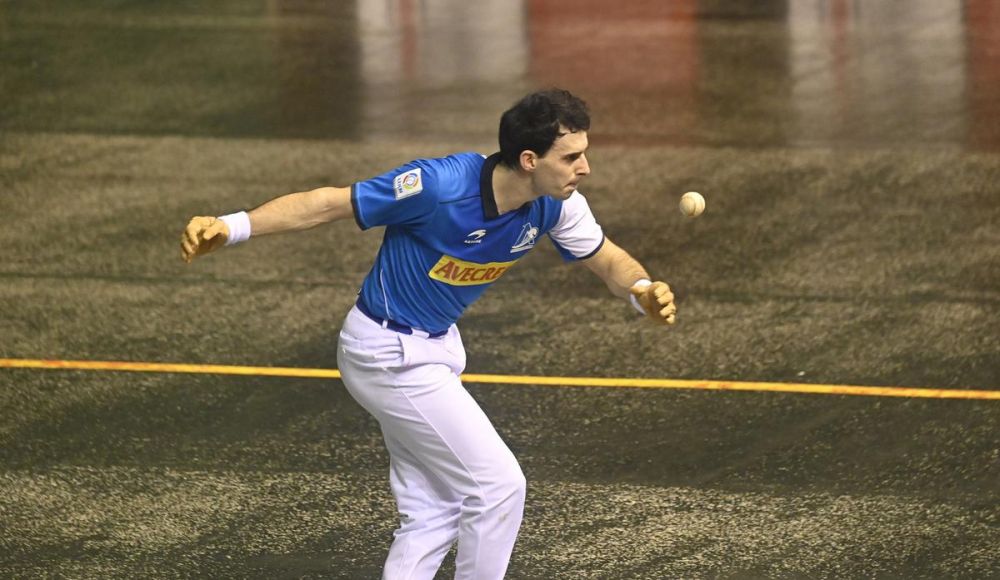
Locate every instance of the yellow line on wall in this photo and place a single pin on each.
(814, 389)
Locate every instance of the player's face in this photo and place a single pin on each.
(563, 166)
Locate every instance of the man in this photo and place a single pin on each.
(454, 225)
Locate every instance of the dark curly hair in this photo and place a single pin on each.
(533, 123)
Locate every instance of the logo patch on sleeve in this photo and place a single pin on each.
(407, 184)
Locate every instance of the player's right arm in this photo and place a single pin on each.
(287, 213)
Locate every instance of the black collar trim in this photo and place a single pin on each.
(486, 187)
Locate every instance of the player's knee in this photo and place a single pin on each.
(511, 486)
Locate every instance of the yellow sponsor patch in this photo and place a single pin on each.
(461, 273)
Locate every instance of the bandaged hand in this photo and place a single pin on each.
(202, 235)
(657, 301)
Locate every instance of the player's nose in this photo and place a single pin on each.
(584, 167)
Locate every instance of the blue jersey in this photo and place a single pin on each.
(444, 241)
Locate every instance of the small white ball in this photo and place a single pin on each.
(692, 204)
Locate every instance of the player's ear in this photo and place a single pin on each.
(529, 160)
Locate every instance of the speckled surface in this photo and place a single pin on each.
(848, 153)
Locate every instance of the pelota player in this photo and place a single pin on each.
(453, 226)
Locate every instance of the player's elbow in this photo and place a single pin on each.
(332, 203)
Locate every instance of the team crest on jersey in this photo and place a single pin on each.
(407, 184)
(526, 240)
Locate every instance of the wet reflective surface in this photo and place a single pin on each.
(809, 72)
(848, 153)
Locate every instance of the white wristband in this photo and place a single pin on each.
(642, 283)
(239, 227)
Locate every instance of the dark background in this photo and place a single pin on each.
(848, 151)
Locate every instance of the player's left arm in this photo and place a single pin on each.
(626, 278)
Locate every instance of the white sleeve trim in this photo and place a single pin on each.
(577, 231)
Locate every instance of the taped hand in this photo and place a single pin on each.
(658, 302)
(202, 235)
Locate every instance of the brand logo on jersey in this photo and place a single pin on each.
(526, 240)
(407, 184)
(461, 273)
(475, 237)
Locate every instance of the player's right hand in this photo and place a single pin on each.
(202, 235)
(658, 301)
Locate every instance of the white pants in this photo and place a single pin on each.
(452, 475)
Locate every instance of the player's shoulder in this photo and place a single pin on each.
(569, 210)
(453, 175)
(431, 178)
(449, 167)
(455, 166)
(575, 202)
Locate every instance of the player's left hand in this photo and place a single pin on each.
(202, 235)
(658, 302)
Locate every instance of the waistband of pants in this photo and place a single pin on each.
(393, 325)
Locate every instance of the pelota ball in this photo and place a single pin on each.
(692, 204)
